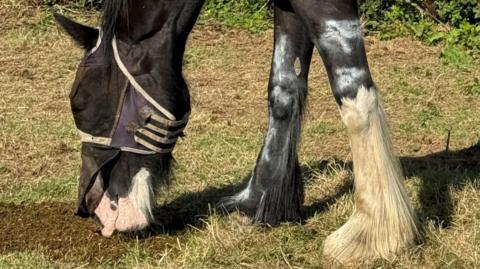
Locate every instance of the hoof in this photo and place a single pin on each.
(246, 200)
(362, 240)
(270, 206)
(232, 203)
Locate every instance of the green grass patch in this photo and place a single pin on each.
(457, 57)
(428, 116)
(252, 15)
(53, 190)
(136, 257)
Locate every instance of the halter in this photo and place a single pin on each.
(160, 129)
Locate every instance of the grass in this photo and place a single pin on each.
(25, 260)
(227, 70)
(455, 56)
(251, 15)
(58, 189)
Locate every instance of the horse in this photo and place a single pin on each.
(131, 103)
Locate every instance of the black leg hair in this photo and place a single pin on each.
(275, 191)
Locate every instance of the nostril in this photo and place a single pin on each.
(113, 206)
(97, 221)
(114, 203)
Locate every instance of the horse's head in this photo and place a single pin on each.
(130, 104)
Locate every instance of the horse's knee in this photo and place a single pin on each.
(281, 102)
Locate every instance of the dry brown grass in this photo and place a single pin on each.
(227, 71)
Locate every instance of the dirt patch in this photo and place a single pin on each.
(53, 228)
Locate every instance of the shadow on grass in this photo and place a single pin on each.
(190, 209)
(438, 173)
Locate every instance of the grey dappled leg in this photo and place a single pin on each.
(383, 222)
(275, 191)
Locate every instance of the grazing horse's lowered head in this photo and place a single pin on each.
(130, 104)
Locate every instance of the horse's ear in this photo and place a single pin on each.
(86, 37)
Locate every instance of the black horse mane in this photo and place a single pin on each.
(114, 12)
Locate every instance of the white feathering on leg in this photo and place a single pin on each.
(383, 222)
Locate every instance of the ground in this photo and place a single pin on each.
(426, 97)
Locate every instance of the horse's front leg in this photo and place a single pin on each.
(383, 222)
(275, 190)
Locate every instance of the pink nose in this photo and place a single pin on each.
(130, 217)
(123, 217)
(107, 213)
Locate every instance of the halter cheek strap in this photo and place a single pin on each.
(135, 83)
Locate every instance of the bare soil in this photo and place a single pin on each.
(53, 228)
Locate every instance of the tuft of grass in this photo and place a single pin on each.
(428, 115)
(456, 57)
(136, 257)
(25, 260)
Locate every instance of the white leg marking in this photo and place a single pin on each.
(281, 71)
(347, 76)
(279, 54)
(272, 132)
(383, 222)
(245, 193)
(142, 193)
(339, 33)
(297, 66)
(280, 96)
